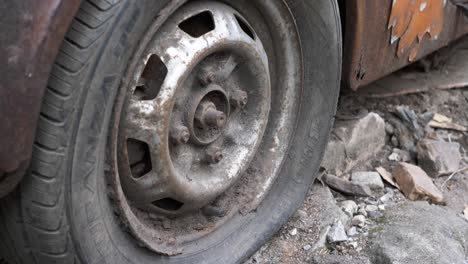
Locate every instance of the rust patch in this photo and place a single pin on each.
(411, 20)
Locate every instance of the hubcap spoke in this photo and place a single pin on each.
(141, 122)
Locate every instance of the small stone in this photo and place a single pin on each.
(394, 157)
(394, 141)
(293, 232)
(352, 231)
(349, 207)
(337, 233)
(389, 129)
(354, 244)
(371, 208)
(399, 155)
(386, 198)
(405, 155)
(375, 214)
(371, 179)
(346, 187)
(359, 220)
(302, 215)
(438, 158)
(381, 207)
(307, 247)
(416, 184)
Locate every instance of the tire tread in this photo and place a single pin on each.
(35, 212)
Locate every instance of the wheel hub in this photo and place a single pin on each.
(189, 141)
(208, 115)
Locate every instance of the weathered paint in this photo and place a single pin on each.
(384, 36)
(411, 20)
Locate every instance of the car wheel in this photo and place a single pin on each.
(177, 131)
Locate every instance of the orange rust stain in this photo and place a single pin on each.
(410, 20)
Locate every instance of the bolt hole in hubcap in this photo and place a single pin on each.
(194, 116)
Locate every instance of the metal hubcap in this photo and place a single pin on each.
(198, 112)
(200, 132)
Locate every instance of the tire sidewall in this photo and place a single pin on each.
(98, 235)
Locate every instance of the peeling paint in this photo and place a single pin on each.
(411, 20)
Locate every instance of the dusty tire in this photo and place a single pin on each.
(63, 212)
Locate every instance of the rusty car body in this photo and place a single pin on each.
(380, 38)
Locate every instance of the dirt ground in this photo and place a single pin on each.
(303, 239)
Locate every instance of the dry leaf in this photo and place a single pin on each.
(441, 121)
(387, 176)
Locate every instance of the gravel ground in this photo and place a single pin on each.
(395, 230)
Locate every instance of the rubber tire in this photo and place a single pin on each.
(38, 223)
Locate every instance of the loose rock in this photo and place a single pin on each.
(394, 157)
(386, 198)
(346, 187)
(307, 247)
(439, 158)
(337, 233)
(354, 142)
(359, 220)
(302, 215)
(408, 236)
(371, 179)
(352, 231)
(334, 158)
(399, 155)
(371, 208)
(387, 176)
(293, 232)
(394, 141)
(375, 214)
(389, 129)
(416, 184)
(349, 207)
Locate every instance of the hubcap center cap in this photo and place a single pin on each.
(209, 115)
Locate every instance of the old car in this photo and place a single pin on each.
(176, 131)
